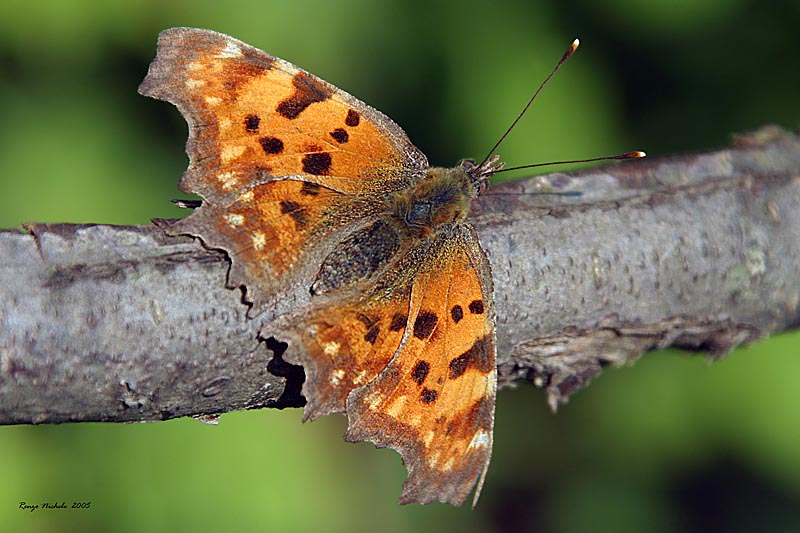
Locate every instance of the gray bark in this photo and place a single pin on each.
(109, 323)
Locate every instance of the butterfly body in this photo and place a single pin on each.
(361, 252)
(439, 197)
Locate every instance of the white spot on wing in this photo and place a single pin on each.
(396, 407)
(213, 100)
(231, 152)
(234, 219)
(331, 348)
(192, 83)
(433, 459)
(449, 464)
(228, 179)
(373, 399)
(336, 376)
(259, 240)
(231, 50)
(480, 440)
(360, 377)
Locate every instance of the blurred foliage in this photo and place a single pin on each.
(671, 443)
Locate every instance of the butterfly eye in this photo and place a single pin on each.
(467, 164)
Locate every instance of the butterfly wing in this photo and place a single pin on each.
(281, 158)
(434, 403)
(290, 168)
(345, 346)
(414, 365)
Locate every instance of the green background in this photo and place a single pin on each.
(671, 443)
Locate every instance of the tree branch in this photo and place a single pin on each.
(699, 252)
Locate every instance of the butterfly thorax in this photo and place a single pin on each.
(441, 196)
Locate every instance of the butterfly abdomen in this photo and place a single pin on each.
(358, 257)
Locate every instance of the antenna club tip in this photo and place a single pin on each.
(569, 52)
(631, 155)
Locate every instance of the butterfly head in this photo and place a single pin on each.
(480, 173)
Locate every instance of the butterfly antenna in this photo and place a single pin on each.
(626, 155)
(567, 54)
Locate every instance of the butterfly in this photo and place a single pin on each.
(358, 250)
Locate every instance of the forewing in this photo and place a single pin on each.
(280, 157)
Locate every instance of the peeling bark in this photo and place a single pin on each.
(698, 252)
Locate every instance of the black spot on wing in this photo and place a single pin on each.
(428, 396)
(310, 189)
(294, 210)
(398, 322)
(352, 119)
(424, 324)
(340, 135)
(372, 334)
(318, 164)
(477, 356)
(271, 145)
(251, 123)
(476, 307)
(457, 313)
(306, 92)
(420, 372)
(368, 321)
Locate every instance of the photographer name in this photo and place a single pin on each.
(25, 506)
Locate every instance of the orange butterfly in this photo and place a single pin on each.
(324, 205)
